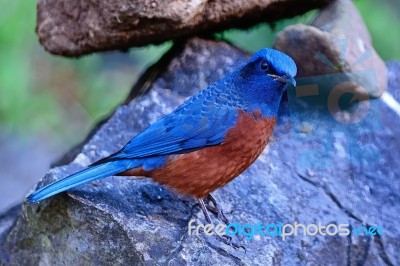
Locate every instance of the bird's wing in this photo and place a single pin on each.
(180, 132)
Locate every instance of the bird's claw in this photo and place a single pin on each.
(228, 240)
(216, 210)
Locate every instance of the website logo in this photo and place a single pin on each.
(282, 230)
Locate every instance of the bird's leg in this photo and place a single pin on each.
(205, 212)
(216, 209)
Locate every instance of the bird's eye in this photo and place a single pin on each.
(264, 66)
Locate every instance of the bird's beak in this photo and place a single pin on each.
(291, 82)
(284, 79)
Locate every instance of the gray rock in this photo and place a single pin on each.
(75, 28)
(337, 41)
(316, 170)
(394, 66)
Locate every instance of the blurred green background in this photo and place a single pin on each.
(49, 103)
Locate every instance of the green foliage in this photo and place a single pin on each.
(383, 20)
(45, 94)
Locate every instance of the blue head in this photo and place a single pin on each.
(262, 81)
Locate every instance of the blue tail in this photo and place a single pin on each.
(90, 174)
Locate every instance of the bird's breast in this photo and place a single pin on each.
(200, 172)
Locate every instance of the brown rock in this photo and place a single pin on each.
(75, 28)
(337, 41)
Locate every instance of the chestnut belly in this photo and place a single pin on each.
(200, 172)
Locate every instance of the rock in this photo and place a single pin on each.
(7, 221)
(394, 78)
(337, 41)
(75, 28)
(319, 175)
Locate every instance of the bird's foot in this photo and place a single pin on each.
(228, 240)
(217, 211)
(214, 208)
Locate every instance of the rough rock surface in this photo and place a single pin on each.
(316, 171)
(337, 41)
(74, 27)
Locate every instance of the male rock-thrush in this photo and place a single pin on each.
(207, 141)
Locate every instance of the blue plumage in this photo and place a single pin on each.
(202, 121)
(87, 175)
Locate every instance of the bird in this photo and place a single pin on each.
(207, 141)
